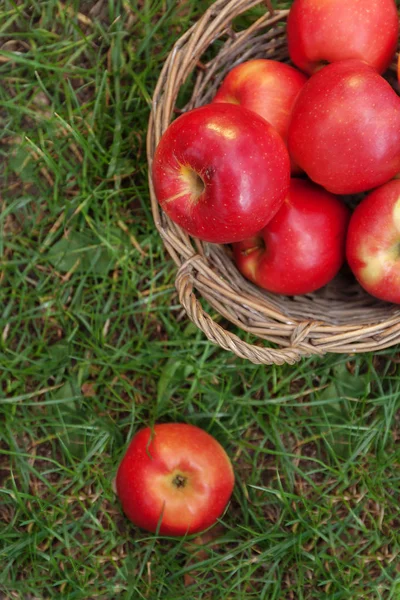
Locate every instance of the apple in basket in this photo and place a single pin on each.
(321, 32)
(373, 242)
(302, 248)
(267, 87)
(221, 172)
(174, 478)
(345, 128)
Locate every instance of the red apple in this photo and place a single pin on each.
(221, 172)
(345, 128)
(174, 478)
(267, 87)
(302, 248)
(373, 242)
(321, 32)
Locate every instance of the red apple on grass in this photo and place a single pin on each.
(267, 87)
(302, 248)
(345, 128)
(373, 242)
(174, 478)
(221, 172)
(326, 31)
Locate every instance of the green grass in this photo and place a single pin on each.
(94, 344)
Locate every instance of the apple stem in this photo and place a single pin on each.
(248, 251)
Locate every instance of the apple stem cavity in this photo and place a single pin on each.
(320, 65)
(179, 481)
(396, 251)
(193, 181)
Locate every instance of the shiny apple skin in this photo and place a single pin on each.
(267, 87)
(242, 161)
(302, 248)
(373, 242)
(321, 32)
(145, 479)
(345, 128)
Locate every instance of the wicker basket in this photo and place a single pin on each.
(341, 317)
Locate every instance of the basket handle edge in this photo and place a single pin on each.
(184, 283)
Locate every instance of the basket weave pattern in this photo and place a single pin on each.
(341, 317)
